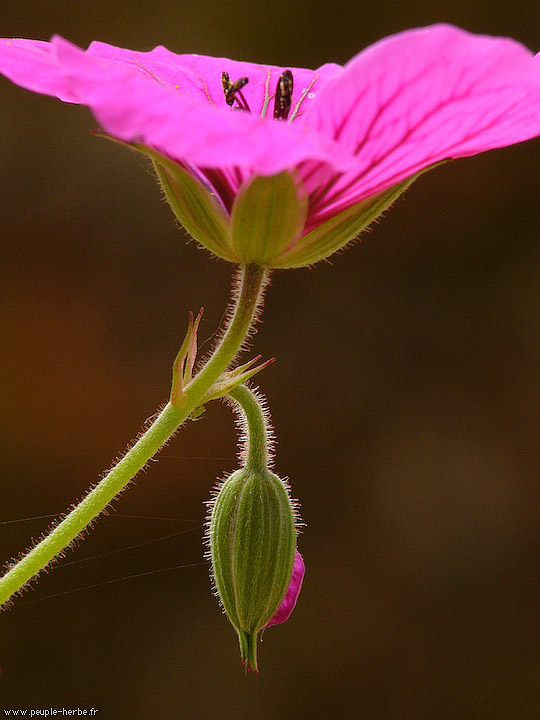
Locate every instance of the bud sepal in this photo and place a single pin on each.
(252, 537)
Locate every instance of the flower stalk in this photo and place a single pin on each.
(252, 279)
(256, 452)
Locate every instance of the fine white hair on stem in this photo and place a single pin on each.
(236, 288)
(76, 541)
(243, 429)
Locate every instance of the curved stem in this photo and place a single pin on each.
(248, 297)
(253, 280)
(259, 434)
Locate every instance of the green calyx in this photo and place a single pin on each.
(252, 542)
(266, 223)
(268, 218)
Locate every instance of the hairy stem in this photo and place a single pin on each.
(258, 432)
(248, 297)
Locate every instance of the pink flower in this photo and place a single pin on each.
(344, 143)
(293, 591)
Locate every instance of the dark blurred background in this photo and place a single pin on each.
(406, 401)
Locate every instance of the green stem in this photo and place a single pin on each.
(249, 295)
(256, 452)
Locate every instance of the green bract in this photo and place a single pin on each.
(252, 542)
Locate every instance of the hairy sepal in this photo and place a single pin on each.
(338, 232)
(194, 203)
(252, 544)
(269, 213)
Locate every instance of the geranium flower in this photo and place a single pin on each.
(285, 166)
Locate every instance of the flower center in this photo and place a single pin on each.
(282, 96)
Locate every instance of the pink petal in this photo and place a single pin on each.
(174, 103)
(29, 63)
(422, 96)
(291, 596)
(132, 105)
(199, 76)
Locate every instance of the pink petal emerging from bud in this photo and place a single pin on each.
(293, 591)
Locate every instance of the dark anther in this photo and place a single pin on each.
(283, 100)
(233, 91)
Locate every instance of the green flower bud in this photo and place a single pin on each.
(252, 545)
